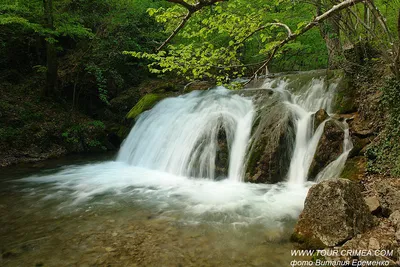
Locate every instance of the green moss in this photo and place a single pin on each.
(344, 99)
(307, 242)
(384, 152)
(353, 169)
(145, 103)
(316, 256)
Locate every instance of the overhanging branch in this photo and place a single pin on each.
(336, 8)
(266, 26)
(191, 8)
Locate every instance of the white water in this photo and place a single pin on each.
(304, 102)
(192, 200)
(180, 135)
(168, 160)
(335, 168)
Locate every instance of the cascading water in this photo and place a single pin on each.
(149, 191)
(194, 136)
(180, 135)
(304, 102)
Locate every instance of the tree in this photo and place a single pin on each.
(37, 18)
(51, 53)
(213, 43)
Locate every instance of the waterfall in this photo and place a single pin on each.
(206, 134)
(180, 135)
(335, 168)
(304, 101)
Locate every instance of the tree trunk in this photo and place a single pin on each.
(330, 32)
(397, 59)
(51, 52)
(332, 40)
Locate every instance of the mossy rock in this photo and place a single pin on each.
(344, 101)
(354, 168)
(329, 148)
(334, 212)
(145, 103)
(272, 135)
(198, 85)
(307, 241)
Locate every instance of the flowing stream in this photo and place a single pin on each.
(175, 195)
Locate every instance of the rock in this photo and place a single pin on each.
(329, 148)
(198, 85)
(359, 145)
(397, 235)
(373, 204)
(110, 249)
(381, 237)
(145, 103)
(222, 156)
(373, 244)
(354, 168)
(319, 117)
(395, 219)
(334, 212)
(344, 101)
(273, 136)
(389, 197)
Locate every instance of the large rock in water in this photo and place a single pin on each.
(222, 154)
(329, 148)
(272, 140)
(334, 212)
(319, 117)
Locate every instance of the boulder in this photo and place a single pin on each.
(273, 136)
(389, 197)
(319, 117)
(329, 148)
(145, 103)
(334, 212)
(198, 85)
(222, 155)
(382, 238)
(354, 168)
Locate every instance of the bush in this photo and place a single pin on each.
(384, 153)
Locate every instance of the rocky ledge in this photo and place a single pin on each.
(342, 215)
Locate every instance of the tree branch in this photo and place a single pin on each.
(191, 10)
(182, 3)
(336, 8)
(380, 18)
(177, 29)
(266, 26)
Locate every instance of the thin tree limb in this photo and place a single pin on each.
(191, 8)
(380, 18)
(336, 8)
(177, 29)
(264, 27)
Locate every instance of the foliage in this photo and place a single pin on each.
(215, 44)
(231, 39)
(145, 103)
(384, 154)
(87, 134)
(89, 35)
